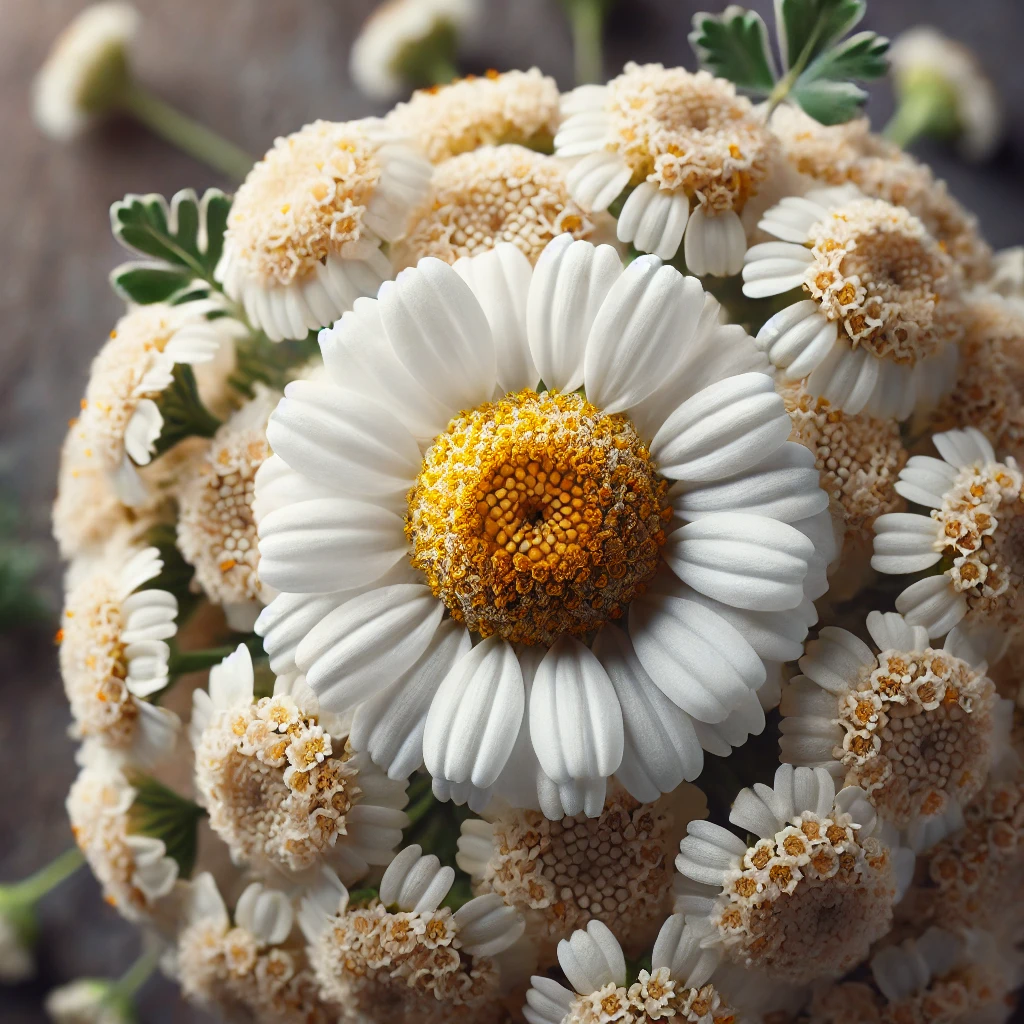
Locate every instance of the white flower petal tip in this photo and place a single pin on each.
(798, 339)
(415, 882)
(654, 220)
(486, 926)
(597, 180)
(592, 959)
(714, 244)
(266, 913)
(772, 268)
(905, 543)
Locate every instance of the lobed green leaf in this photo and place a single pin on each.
(734, 45)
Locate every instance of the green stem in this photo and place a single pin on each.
(138, 974)
(188, 135)
(786, 83)
(38, 885)
(183, 662)
(441, 70)
(587, 20)
(421, 808)
(923, 110)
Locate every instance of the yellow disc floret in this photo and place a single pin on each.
(537, 515)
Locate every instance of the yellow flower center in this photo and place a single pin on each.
(536, 516)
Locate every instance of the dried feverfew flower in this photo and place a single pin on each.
(304, 234)
(251, 967)
(880, 329)
(913, 727)
(114, 652)
(491, 195)
(134, 870)
(121, 421)
(403, 956)
(851, 154)
(989, 391)
(693, 149)
(519, 107)
(616, 867)
(857, 456)
(276, 789)
(811, 895)
(216, 526)
(975, 531)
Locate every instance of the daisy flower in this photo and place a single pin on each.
(694, 151)
(441, 484)
(914, 727)
(251, 967)
(134, 870)
(85, 71)
(975, 532)
(562, 874)
(121, 420)
(518, 107)
(216, 527)
(491, 195)
(114, 652)
(407, 957)
(880, 328)
(760, 905)
(683, 983)
(405, 40)
(304, 235)
(852, 154)
(989, 391)
(316, 800)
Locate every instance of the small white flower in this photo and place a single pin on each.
(89, 1001)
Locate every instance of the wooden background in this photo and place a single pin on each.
(252, 69)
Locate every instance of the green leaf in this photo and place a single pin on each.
(808, 27)
(830, 102)
(734, 45)
(147, 282)
(183, 411)
(363, 895)
(159, 812)
(861, 57)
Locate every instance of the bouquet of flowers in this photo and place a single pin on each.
(561, 557)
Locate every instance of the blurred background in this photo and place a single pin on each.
(252, 70)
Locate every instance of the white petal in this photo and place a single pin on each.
(798, 339)
(486, 926)
(932, 603)
(904, 542)
(678, 947)
(654, 219)
(547, 1002)
(714, 243)
(925, 480)
(964, 448)
(570, 282)
(390, 724)
(368, 643)
(267, 913)
(581, 133)
(591, 959)
(708, 851)
(772, 268)
(328, 544)
(500, 280)
(891, 632)
(231, 681)
(415, 882)
(286, 620)
(792, 219)
(743, 560)
(596, 180)
(721, 431)
(634, 342)
(143, 431)
(329, 434)
(835, 660)
(694, 656)
(846, 377)
(440, 333)
(474, 716)
(575, 718)
(661, 749)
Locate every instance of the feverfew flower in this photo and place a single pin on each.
(86, 70)
(216, 526)
(406, 957)
(304, 235)
(517, 107)
(535, 519)
(915, 728)
(252, 967)
(491, 195)
(280, 791)
(616, 867)
(880, 329)
(975, 530)
(408, 41)
(114, 652)
(134, 870)
(762, 906)
(121, 420)
(693, 149)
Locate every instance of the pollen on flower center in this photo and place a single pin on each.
(689, 131)
(891, 286)
(917, 731)
(537, 515)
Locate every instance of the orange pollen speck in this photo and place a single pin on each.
(536, 516)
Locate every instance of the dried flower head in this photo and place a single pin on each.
(280, 791)
(491, 195)
(518, 107)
